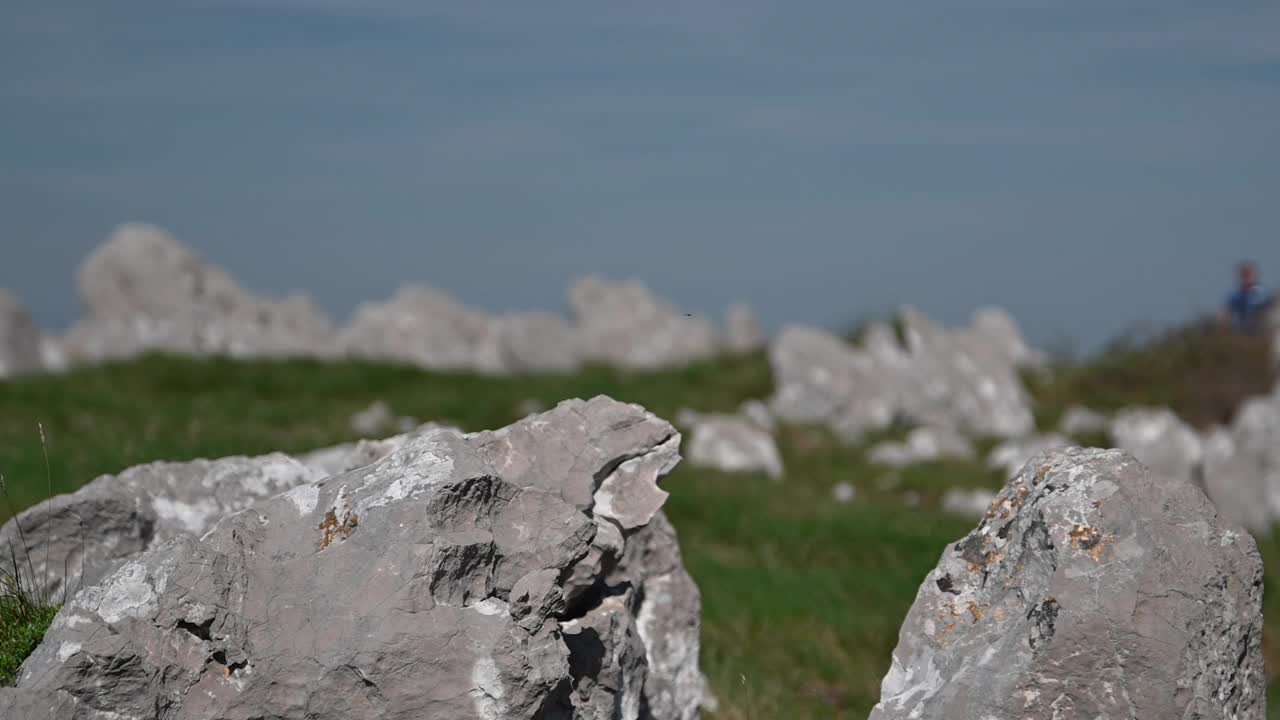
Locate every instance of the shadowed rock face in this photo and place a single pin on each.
(1091, 588)
(20, 339)
(143, 291)
(521, 573)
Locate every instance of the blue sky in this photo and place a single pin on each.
(1087, 164)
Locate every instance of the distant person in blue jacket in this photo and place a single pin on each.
(1248, 305)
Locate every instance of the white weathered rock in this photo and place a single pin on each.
(144, 291)
(731, 443)
(922, 444)
(960, 379)
(378, 420)
(520, 573)
(1159, 439)
(21, 342)
(427, 328)
(819, 378)
(1092, 588)
(963, 380)
(537, 341)
(1011, 455)
(1240, 469)
(1079, 420)
(626, 325)
(997, 328)
(973, 502)
(844, 493)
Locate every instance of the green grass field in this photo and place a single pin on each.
(802, 596)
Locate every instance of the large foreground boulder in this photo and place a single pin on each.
(20, 340)
(1092, 588)
(627, 325)
(145, 291)
(522, 573)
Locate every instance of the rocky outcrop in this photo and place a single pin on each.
(1080, 420)
(732, 443)
(1159, 439)
(627, 325)
(1091, 588)
(21, 342)
(961, 380)
(996, 327)
(521, 573)
(1241, 464)
(144, 291)
(1010, 455)
(537, 341)
(818, 378)
(427, 328)
(922, 445)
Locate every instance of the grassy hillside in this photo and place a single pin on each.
(802, 597)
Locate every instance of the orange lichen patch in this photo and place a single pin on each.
(945, 630)
(1042, 471)
(1089, 540)
(999, 614)
(978, 611)
(332, 528)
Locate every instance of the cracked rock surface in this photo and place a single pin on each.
(521, 573)
(85, 535)
(1092, 588)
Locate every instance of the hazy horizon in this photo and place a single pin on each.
(1086, 165)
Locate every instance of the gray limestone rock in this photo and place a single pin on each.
(1091, 588)
(1240, 468)
(1012, 454)
(963, 380)
(143, 291)
(731, 443)
(85, 535)
(921, 445)
(1159, 439)
(997, 328)
(627, 325)
(427, 328)
(537, 341)
(433, 583)
(1078, 420)
(818, 378)
(973, 502)
(21, 342)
